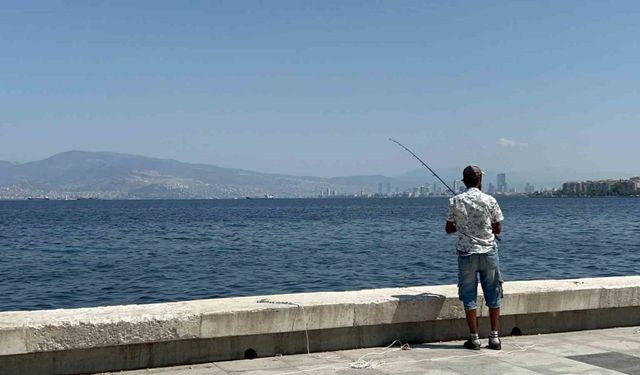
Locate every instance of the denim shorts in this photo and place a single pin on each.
(487, 267)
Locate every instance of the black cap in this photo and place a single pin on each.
(471, 172)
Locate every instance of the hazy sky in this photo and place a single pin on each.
(317, 87)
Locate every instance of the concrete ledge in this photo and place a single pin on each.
(127, 337)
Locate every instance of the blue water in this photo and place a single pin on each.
(56, 254)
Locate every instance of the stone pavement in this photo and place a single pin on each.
(607, 351)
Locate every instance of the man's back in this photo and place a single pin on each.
(473, 212)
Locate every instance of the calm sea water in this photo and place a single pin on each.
(58, 254)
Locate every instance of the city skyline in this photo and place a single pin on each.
(85, 175)
(295, 88)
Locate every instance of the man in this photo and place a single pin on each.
(476, 217)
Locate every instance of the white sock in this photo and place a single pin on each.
(474, 337)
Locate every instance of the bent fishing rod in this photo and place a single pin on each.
(423, 163)
(435, 175)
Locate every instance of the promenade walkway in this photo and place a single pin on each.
(607, 351)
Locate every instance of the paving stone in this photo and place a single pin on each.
(255, 365)
(546, 363)
(201, 369)
(599, 352)
(624, 363)
(316, 363)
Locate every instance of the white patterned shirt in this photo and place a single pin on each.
(473, 212)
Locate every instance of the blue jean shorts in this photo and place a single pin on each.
(486, 267)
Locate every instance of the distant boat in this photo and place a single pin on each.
(266, 196)
(45, 198)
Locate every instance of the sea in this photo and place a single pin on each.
(65, 254)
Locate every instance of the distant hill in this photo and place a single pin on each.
(5, 163)
(112, 175)
(372, 180)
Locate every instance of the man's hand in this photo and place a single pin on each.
(496, 228)
(450, 227)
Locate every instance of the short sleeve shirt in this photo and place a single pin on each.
(473, 212)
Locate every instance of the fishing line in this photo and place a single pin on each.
(423, 163)
(436, 176)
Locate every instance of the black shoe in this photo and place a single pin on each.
(497, 346)
(472, 344)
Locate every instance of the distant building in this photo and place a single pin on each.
(502, 182)
(528, 188)
(424, 191)
(602, 187)
(457, 186)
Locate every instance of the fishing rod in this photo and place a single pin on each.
(434, 173)
(423, 163)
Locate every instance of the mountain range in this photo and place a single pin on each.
(113, 175)
(76, 174)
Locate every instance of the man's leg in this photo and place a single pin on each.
(472, 321)
(468, 293)
(494, 317)
(491, 282)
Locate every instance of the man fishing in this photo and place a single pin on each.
(476, 217)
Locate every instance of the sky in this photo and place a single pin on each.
(317, 87)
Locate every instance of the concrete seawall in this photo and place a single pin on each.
(138, 336)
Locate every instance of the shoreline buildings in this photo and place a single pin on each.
(602, 187)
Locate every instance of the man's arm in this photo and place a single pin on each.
(450, 227)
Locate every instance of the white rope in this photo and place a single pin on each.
(483, 353)
(361, 363)
(304, 315)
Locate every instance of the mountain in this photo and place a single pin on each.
(422, 175)
(123, 176)
(112, 175)
(371, 180)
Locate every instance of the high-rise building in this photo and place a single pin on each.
(457, 186)
(502, 182)
(380, 188)
(388, 188)
(529, 189)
